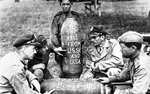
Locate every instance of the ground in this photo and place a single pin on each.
(30, 16)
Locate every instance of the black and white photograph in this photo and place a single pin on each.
(74, 46)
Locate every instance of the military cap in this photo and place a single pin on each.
(131, 36)
(97, 30)
(27, 39)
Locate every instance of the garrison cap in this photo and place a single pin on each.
(28, 39)
(97, 30)
(131, 36)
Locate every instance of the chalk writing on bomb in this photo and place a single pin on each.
(70, 41)
(73, 50)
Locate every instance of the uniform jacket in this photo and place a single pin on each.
(14, 76)
(135, 70)
(58, 20)
(106, 56)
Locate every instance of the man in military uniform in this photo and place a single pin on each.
(134, 69)
(14, 76)
(56, 38)
(103, 55)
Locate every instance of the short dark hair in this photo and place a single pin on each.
(130, 44)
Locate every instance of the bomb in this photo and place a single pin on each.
(73, 86)
(70, 41)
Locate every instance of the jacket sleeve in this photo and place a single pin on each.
(115, 60)
(30, 76)
(55, 33)
(20, 83)
(141, 81)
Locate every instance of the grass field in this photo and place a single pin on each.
(36, 16)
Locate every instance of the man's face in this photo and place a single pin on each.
(29, 51)
(127, 51)
(66, 5)
(97, 40)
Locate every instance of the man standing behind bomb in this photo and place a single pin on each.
(66, 37)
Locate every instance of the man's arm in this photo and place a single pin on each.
(141, 81)
(54, 33)
(38, 70)
(33, 80)
(123, 76)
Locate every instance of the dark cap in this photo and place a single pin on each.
(27, 39)
(41, 39)
(97, 30)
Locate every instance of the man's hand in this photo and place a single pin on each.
(87, 75)
(95, 67)
(92, 65)
(103, 80)
(36, 85)
(59, 51)
(39, 74)
(89, 64)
